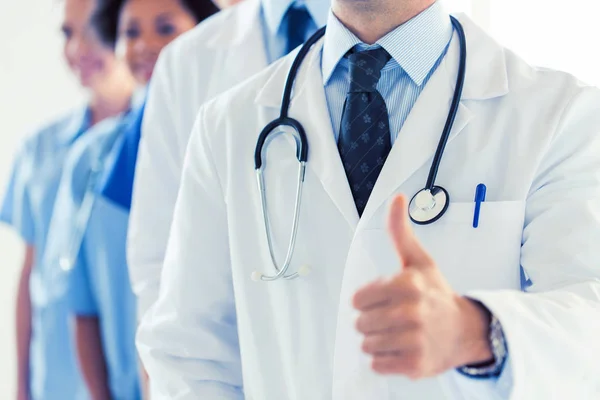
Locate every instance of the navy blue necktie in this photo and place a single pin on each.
(364, 141)
(298, 21)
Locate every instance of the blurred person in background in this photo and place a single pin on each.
(215, 56)
(46, 362)
(97, 183)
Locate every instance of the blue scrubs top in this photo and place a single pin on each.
(28, 207)
(98, 284)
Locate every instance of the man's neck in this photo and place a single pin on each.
(370, 20)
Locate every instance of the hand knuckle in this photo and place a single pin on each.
(366, 346)
(420, 345)
(397, 315)
(358, 324)
(417, 364)
(413, 283)
(414, 376)
(411, 364)
(377, 367)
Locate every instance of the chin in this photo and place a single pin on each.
(142, 78)
(90, 79)
(86, 82)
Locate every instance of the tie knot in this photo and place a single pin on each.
(365, 69)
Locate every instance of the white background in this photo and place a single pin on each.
(562, 34)
(35, 86)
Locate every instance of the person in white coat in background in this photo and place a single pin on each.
(390, 309)
(237, 43)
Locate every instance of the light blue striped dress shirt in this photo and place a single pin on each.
(417, 48)
(275, 25)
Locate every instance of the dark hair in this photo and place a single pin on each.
(105, 19)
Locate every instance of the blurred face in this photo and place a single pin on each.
(87, 58)
(225, 3)
(145, 27)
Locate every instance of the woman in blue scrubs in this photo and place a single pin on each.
(47, 367)
(98, 283)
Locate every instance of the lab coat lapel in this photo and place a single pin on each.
(418, 139)
(309, 107)
(238, 37)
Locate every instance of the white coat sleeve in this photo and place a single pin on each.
(188, 340)
(553, 329)
(157, 179)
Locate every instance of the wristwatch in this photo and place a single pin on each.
(499, 351)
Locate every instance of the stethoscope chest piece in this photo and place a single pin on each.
(65, 263)
(428, 205)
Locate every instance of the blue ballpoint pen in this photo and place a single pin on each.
(479, 198)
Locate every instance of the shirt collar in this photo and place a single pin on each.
(274, 11)
(81, 120)
(415, 45)
(77, 123)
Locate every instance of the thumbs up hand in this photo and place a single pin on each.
(413, 323)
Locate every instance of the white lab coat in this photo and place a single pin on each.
(531, 135)
(213, 57)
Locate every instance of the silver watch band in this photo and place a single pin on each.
(499, 351)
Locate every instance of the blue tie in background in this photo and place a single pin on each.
(298, 22)
(364, 141)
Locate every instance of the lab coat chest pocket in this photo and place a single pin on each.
(487, 257)
(482, 258)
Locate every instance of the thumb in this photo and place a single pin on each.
(408, 248)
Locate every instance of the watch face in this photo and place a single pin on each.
(497, 340)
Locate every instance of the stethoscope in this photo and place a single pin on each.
(426, 206)
(69, 254)
(67, 258)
